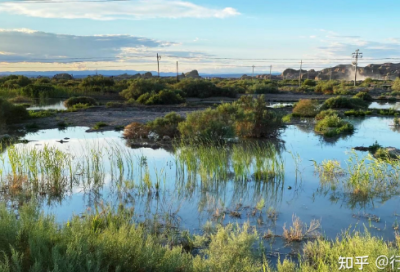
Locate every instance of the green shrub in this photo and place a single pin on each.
(325, 87)
(115, 105)
(263, 88)
(309, 82)
(364, 96)
(246, 117)
(326, 113)
(38, 91)
(141, 86)
(396, 85)
(167, 125)
(80, 100)
(164, 97)
(332, 126)
(344, 102)
(202, 89)
(306, 108)
(10, 113)
(395, 93)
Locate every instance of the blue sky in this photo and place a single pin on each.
(127, 35)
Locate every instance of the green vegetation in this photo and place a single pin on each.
(163, 97)
(396, 85)
(115, 105)
(326, 113)
(388, 112)
(10, 113)
(333, 125)
(364, 96)
(20, 99)
(245, 118)
(396, 122)
(341, 102)
(99, 125)
(81, 100)
(167, 125)
(306, 108)
(357, 113)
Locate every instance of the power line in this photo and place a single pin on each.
(356, 55)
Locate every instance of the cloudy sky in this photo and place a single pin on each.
(210, 36)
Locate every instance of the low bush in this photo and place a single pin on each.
(164, 97)
(167, 125)
(80, 100)
(115, 105)
(38, 91)
(344, 102)
(141, 86)
(396, 85)
(306, 108)
(309, 83)
(263, 88)
(326, 113)
(10, 113)
(202, 89)
(332, 126)
(325, 87)
(395, 93)
(20, 99)
(364, 96)
(136, 131)
(246, 117)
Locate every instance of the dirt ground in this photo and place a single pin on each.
(113, 117)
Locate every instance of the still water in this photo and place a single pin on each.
(194, 200)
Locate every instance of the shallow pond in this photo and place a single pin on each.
(384, 105)
(120, 174)
(48, 104)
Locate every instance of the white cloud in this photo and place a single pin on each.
(29, 45)
(134, 10)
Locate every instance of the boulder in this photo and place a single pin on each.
(192, 74)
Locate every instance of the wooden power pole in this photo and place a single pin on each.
(177, 72)
(270, 72)
(301, 65)
(158, 64)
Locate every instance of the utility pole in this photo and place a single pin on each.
(301, 65)
(158, 64)
(356, 55)
(253, 71)
(330, 74)
(270, 72)
(177, 72)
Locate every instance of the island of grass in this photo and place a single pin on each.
(333, 126)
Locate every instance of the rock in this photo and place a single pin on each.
(64, 76)
(361, 148)
(166, 138)
(192, 74)
(393, 152)
(153, 136)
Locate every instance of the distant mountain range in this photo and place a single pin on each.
(81, 74)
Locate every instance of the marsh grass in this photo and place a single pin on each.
(363, 177)
(300, 231)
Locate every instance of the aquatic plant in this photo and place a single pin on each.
(332, 126)
(300, 231)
